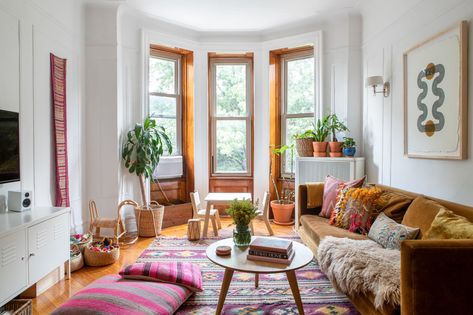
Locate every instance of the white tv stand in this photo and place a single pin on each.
(32, 244)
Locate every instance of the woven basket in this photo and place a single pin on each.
(77, 260)
(17, 307)
(84, 244)
(98, 258)
(149, 221)
(304, 147)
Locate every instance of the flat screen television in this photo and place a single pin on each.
(9, 147)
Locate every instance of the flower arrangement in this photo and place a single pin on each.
(242, 212)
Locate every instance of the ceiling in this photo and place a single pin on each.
(238, 15)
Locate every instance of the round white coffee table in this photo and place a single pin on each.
(237, 261)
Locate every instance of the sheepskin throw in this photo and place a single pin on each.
(362, 266)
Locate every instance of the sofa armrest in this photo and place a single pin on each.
(436, 277)
(302, 200)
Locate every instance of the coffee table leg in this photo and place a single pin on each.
(256, 280)
(227, 278)
(291, 277)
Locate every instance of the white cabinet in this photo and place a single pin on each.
(13, 264)
(32, 244)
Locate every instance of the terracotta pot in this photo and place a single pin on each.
(282, 212)
(336, 154)
(335, 147)
(320, 149)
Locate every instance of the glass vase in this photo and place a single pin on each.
(241, 235)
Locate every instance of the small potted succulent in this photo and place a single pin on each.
(242, 212)
(320, 133)
(349, 146)
(304, 141)
(335, 125)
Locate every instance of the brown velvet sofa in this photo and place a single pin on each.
(436, 275)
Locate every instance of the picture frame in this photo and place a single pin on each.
(436, 96)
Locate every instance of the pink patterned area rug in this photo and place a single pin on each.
(272, 297)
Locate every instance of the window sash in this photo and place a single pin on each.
(285, 59)
(176, 58)
(214, 62)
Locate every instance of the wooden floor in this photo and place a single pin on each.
(59, 293)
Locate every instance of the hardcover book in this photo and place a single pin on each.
(272, 260)
(271, 245)
(263, 253)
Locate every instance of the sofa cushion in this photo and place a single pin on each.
(393, 204)
(421, 214)
(317, 228)
(389, 234)
(448, 225)
(331, 189)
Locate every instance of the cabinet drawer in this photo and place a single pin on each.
(48, 246)
(12, 265)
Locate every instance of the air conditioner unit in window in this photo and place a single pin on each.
(169, 167)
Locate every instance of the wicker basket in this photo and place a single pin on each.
(149, 221)
(84, 244)
(304, 147)
(98, 258)
(17, 307)
(77, 260)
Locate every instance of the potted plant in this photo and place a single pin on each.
(283, 206)
(304, 143)
(349, 146)
(141, 152)
(335, 125)
(320, 133)
(242, 212)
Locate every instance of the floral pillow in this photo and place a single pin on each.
(180, 273)
(355, 209)
(331, 189)
(389, 234)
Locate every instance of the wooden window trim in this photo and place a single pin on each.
(231, 58)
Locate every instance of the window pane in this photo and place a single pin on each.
(300, 86)
(162, 105)
(162, 76)
(231, 146)
(231, 90)
(295, 125)
(170, 125)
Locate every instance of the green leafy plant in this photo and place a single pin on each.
(348, 142)
(286, 195)
(308, 134)
(321, 129)
(242, 211)
(142, 150)
(335, 125)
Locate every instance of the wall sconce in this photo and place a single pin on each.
(378, 80)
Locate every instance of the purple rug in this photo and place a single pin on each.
(272, 297)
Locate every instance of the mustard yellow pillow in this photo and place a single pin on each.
(448, 225)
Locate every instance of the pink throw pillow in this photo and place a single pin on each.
(181, 273)
(331, 188)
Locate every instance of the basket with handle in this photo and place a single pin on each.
(149, 220)
(17, 307)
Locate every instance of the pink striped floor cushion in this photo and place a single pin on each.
(182, 273)
(112, 295)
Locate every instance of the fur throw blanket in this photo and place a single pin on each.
(362, 266)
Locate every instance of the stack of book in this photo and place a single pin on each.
(271, 250)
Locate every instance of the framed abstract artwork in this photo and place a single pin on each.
(436, 96)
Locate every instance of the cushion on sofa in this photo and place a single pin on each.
(393, 204)
(421, 214)
(331, 189)
(317, 228)
(389, 234)
(114, 295)
(448, 225)
(182, 273)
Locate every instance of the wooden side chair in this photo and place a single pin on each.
(117, 224)
(199, 212)
(263, 213)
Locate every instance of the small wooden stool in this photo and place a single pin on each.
(193, 229)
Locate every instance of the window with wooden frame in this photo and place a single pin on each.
(231, 115)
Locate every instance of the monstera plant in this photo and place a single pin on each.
(144, 146)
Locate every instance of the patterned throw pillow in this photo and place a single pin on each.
(448, 225)
(354, 210)
(331, 188)
(389, 234)
(180, 273)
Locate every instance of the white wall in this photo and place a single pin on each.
(389, 29)
(29, 31)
